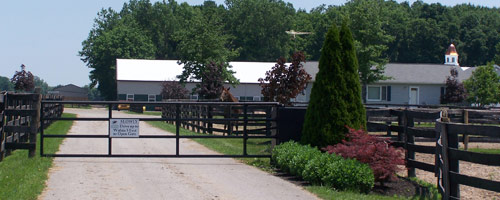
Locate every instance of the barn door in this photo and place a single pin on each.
(414, 95)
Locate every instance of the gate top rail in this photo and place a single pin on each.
(162, 103)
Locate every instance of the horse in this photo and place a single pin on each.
(226, 96)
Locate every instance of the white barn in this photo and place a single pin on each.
(141, 80)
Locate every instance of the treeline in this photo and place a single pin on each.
(255, 30)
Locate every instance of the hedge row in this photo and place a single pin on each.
(323, 168)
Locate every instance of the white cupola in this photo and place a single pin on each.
(451, 56)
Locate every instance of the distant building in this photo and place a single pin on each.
(416, 84)
(71, 92)
(141, 80)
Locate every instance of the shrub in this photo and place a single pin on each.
(302, 156)
(322, 168)
(348, 174)
(376, 152)
(315, 168)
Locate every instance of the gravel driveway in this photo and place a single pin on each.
(154, 178)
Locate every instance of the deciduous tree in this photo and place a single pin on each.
(483, 86)
(112, 37)
(23, 80)
(212, 81)
(455, 91)
(202, 43)
(5, 84)
(173, 90)
(283, 82)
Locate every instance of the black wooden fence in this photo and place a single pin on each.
(2, 119)
(20, 120)
(447, 136)
(448, 156)
(256, 118)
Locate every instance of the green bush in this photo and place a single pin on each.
(349, 174)
(322, 168)
(315, 169)
(302, 156)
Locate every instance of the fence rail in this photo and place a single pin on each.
(448, 157)
(177, 117)
(20, 120)
(446, 136)
(226, 119)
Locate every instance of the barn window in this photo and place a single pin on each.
(378, 93)
(130, 97)
(151, 97)
(374, 93)
(256, 98)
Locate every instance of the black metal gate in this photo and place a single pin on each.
(244, 108)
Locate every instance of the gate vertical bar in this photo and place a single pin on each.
(110, 116)
(177, 127)
(42, 121)
(245, 123)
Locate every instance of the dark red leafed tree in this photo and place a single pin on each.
(455, 91)
(23, 81)
(283, 82)
(173, 90)
(374, 151)
(212, 81)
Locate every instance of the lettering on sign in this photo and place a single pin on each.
(124, 127)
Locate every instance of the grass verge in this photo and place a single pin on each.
(261, 146)
(79, 106)
(327, 193)
(228, 146)
(152, 113)
(24, 178)
(489, 151)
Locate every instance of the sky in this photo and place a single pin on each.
(47, 35)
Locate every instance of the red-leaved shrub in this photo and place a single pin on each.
(372, 150)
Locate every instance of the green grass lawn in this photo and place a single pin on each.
(152, 113)
(80, 106)
(329, 193)
(228, 146)
(24, 178)
(490, 151)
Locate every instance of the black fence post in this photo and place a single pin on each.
(42, 126)
(177, 127)
(34, 121)
(410, 139)
(110, 116)
(245, 134)
(453, 163)
(3, 102)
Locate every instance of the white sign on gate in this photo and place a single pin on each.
(124, 127)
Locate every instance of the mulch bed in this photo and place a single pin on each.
(399, 187)
(402, 187)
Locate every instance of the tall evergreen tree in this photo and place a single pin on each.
(352, 96)
(335, 93)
